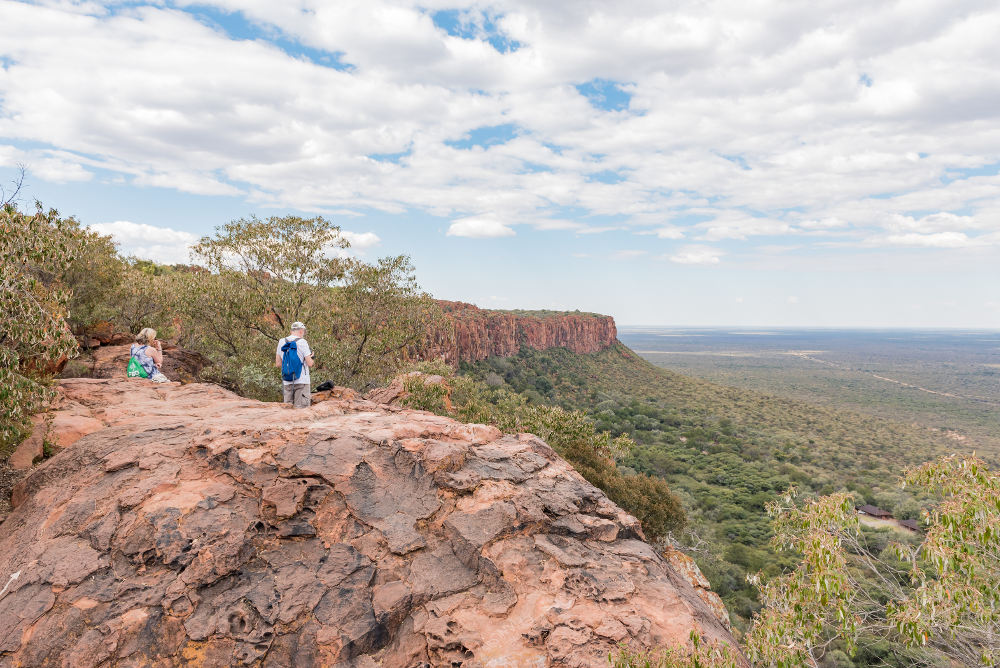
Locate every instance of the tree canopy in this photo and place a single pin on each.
(37, 249)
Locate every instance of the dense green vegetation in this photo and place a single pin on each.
(36, 248)
(264, 274)
(726, 452)
(933, 601)
(546, 313)
(864, 598)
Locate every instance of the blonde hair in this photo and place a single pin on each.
(146, 336)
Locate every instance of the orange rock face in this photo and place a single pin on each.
(192, 526)
(480, 333)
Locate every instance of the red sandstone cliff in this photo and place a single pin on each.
(480, 333)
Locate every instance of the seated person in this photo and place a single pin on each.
(146, 357)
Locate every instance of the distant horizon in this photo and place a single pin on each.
(865, 328)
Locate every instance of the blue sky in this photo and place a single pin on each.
(829, 165)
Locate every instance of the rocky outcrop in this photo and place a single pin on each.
(194, 527)
(480, 333)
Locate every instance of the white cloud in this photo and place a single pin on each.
(148, 242)
(733, 225)
(742, 123)
(792, 299)
(479, 228)
(937, 240)
(666, 232)
(696, 255)
(361, 241)
(51, 166)
(627, 254)
(830, 223)
(932, 223)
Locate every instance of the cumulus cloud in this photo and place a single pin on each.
(479, 228)
(666, 232)
(361, 241)
(733, 225)
(696, 255)
(148, 242)
(933, 223)
(851, 121)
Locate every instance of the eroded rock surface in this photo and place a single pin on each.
(194, 527)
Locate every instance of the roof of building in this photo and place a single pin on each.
(874, 511)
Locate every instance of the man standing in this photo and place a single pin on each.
(294, 358)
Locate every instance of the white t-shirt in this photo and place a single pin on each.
(303, 348)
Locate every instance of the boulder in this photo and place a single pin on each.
(335, 392)
(198, 527)
(32, 449)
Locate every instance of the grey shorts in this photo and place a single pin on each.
(298, 395)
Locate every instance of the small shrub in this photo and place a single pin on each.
(426, 396)
(697, 655)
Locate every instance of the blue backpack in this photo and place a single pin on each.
(291, 365)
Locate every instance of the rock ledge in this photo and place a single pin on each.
(185, 525)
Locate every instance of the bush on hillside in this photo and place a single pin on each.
(697, 654)
(36, 249)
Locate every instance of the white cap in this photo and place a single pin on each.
(297, 325)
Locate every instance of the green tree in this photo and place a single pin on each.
(93, 277)
(260, 276)
(36, 249)
(257, 277)
(105, 288)
(937, 601)
(275, 269)
(380, 316)
(143, 299)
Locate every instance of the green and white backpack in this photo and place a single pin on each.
(135, 368)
